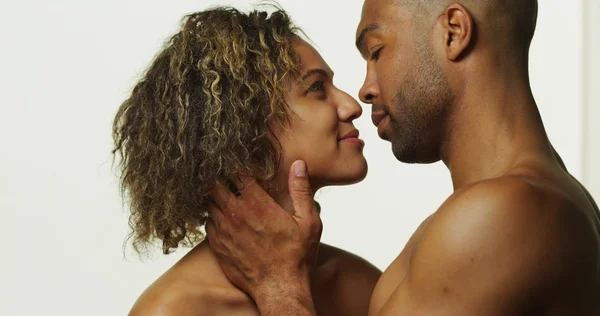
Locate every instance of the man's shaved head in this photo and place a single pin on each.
(511, 21)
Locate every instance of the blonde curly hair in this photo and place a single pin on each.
(204, 110)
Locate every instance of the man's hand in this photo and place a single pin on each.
(263, 249)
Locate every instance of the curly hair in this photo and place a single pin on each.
(203, 111)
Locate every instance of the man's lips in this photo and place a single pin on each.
(377, 117)
(381, 120)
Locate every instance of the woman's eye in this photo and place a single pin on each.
(317, 86)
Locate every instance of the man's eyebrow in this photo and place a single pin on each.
(361, 38)
(319, 71)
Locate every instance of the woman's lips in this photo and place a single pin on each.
(352, 138)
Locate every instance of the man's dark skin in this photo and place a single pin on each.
(519, 235)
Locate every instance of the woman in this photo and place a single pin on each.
(234, 93)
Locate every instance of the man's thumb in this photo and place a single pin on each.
(300, 190)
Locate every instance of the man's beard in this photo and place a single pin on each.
(420, 106)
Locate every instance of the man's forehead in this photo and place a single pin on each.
(377, 6)
(376, 12)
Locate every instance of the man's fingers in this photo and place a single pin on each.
(211, 230)
(306, 213)
(300, 190)
(246, 184)
(226, 220)
(215, 219)
(252, 192)
(214, 211)
(222, 195)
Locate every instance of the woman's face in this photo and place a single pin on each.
(321, 131)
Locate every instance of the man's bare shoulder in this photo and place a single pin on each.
(510, 200)
(506, 246)
(512, 208)
(510, 235)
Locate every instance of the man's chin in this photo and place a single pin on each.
(403, 153)
(409, 155)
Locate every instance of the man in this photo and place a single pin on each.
(519, 236)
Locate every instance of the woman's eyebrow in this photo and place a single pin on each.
(319, 71)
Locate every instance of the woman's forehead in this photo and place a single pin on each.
(309, 57)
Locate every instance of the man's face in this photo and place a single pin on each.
(404, 82)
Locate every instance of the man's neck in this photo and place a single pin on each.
(495, 127)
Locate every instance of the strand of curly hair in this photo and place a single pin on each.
(203, 111)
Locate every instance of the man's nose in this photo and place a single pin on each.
(369, 89)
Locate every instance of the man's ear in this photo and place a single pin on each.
(458, 31)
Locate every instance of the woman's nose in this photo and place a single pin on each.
(348, 109)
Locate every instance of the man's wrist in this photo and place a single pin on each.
(285, 298)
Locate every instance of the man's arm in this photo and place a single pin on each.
(495, 249)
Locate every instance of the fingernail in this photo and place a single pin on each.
(300, 168)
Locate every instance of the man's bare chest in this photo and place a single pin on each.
(395, 274)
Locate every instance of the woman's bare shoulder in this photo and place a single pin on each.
(180, 300)
(343, 282)
(195, 286)
(342, 260)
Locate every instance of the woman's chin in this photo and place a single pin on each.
(348, 177)
(359, 177)
(361, 171)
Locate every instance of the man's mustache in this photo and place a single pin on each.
(379, 108)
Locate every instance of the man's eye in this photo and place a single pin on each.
(375, 55)
(317, 86)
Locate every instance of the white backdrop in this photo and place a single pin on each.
(65, 66)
